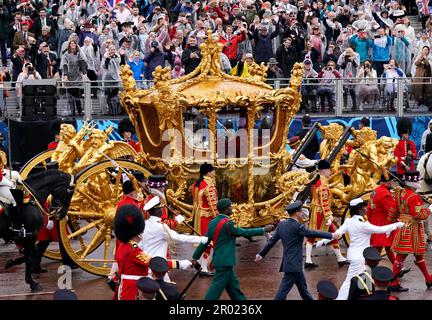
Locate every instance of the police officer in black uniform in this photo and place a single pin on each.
(382, 277)
(168, 290)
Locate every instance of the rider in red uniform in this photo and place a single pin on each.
(126, 130)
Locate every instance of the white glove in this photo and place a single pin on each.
(179, 219)
(329, 221)
(399, 224)
(305, 211)
(185, 265)
(258, 258)
(50, 225)
(6, 182)
(336, 235)
(204, 240)
(321, 243)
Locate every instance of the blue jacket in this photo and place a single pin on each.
(380, 53)
(137, 69)
(292, 235)
(361, 46)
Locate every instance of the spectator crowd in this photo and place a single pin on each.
(365, 42)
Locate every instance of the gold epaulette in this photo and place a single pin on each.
(144, 257)
(134, 244)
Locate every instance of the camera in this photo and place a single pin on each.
(328, 68)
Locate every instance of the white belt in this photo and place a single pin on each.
(129, 277)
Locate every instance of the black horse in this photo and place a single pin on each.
(22, 223)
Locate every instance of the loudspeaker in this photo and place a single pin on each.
(39, 101)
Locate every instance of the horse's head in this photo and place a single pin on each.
(56, 183)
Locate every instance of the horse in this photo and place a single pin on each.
(23, 222)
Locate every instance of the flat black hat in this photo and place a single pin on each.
(125, 125)
(147, 285)
(382, 274)
(323, 164)
(139, 176)
(327, 289)
(206, 168)
(128, 222)
(127, 187)
(404, 125)
(294, 207)
(64, 294)
(365, 121)
(223, 204)
(159, 265)
(306, 121)
(371, 253)
(157, 181)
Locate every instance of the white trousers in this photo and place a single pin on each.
(355, 268)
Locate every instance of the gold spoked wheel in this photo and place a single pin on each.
(41, 160)
(87, 233)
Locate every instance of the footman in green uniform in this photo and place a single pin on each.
(223, 233)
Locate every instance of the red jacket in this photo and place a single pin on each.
(133, 263)
(381, 207)
(231, 50)
(401, 152)
(412, 210)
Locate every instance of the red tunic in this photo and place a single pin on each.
(205, 200)
(411, 210)
(381, 205)
(133, 264)
(401, 152)
(48, 235)
(52, 145)
(127, 200)
(134, 144)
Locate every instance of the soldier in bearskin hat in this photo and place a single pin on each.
(405, 151)
(55, 132)
(132, 262)
(126, 130)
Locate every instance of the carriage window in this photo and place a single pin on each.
(264, 126)
(231, 130)
(197, 135)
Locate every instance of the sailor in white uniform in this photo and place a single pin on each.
(157, 235)
(360, 232)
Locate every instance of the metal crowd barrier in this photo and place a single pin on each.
(321, 97)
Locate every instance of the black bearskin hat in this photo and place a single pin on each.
(124, 126)
(428, 145)
(206, 168)
(404, 125)
(55, 126)
(128, 222)
(127, 187)
(323, 164)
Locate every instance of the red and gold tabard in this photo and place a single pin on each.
(381, 205)
(401, 152)
(411, 210)
(205, 200)
(170, 222)
(320, 207)
(133, 264)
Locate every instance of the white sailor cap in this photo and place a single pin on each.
(153, 202)
(355, 202)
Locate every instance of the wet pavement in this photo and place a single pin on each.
(257, 280)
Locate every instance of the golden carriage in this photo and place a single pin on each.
(239, 125)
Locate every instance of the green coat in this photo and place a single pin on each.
(224, 255)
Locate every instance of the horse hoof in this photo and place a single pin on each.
(36, 287)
